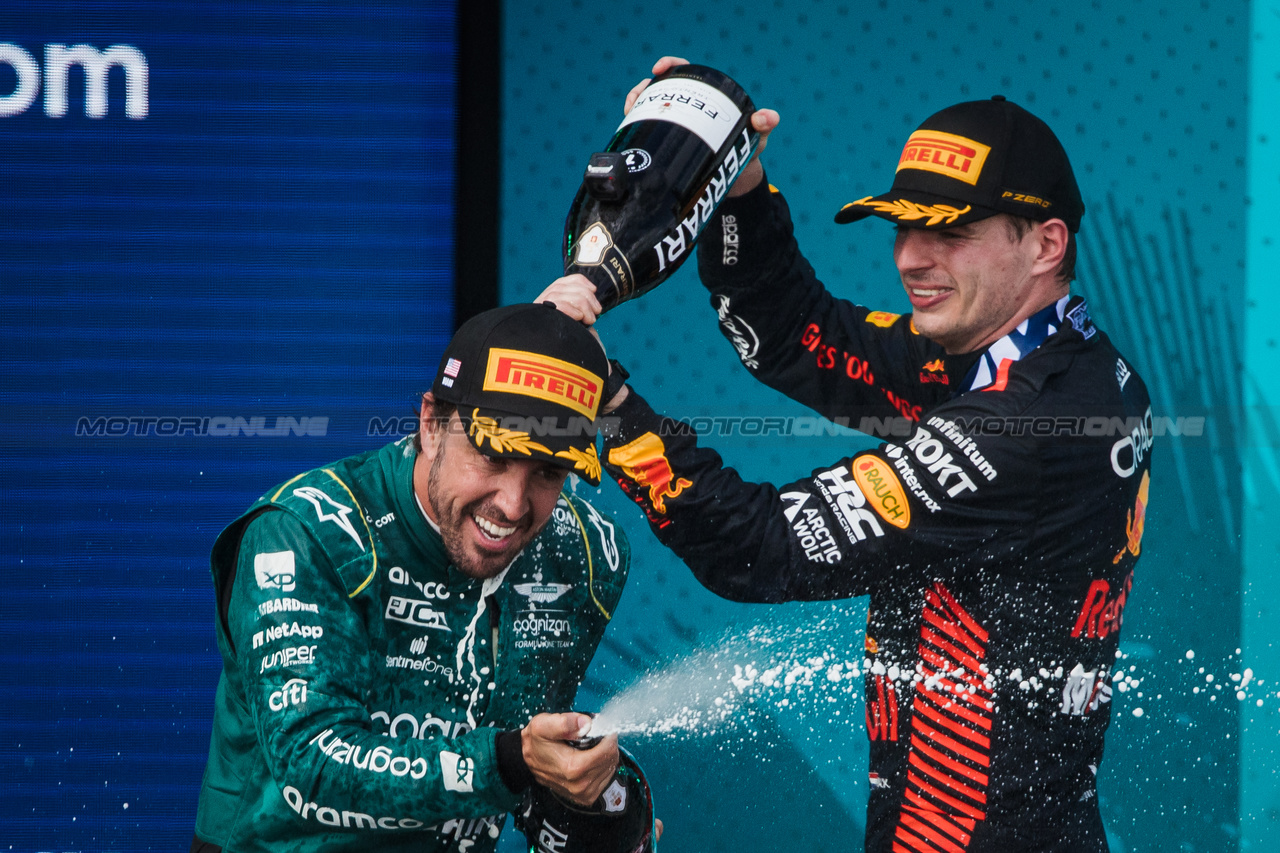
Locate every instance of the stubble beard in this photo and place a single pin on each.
(479, 567)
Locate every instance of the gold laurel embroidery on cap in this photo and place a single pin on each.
(584, 460)
(911, 211)
(502, 439)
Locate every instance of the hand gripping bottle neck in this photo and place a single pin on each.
(645, 199)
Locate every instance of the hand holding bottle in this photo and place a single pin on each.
(763, 121)
(645, 199)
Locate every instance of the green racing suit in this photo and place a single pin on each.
(366, 680)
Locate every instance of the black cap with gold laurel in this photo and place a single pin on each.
(527, 381)
(975, 160)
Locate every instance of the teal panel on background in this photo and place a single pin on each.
(1150, 100)
(1260, 719)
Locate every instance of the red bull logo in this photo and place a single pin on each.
(934, 372)
(644, 462)
(883, 319)
(1137, 520)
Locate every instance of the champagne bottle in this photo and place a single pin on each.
(645, 199)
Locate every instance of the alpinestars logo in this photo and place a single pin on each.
(338, 515)
(607, 538)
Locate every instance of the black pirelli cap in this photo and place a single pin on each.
(974, 160)
(527, 381)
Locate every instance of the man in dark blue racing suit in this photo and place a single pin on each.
(996, 530)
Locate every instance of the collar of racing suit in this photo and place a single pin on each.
(992, 364)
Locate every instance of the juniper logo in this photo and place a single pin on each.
(59, 59)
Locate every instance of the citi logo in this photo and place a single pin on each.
(58, 61)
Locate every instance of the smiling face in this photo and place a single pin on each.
(972, 284)
(487, 509)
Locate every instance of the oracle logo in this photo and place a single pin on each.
(58, 61)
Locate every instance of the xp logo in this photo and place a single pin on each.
(457, 772)
(292, 694)
(275, 570)
(58, 61)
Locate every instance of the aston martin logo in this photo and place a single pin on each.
(543, 593)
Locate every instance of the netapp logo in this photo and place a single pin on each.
(58, 60)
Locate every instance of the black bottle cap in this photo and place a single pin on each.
(606, 176)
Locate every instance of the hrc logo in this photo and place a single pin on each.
(946, 154)
(543, 377)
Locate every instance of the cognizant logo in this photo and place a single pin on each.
(58, 61)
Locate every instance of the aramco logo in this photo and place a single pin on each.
(59, 59)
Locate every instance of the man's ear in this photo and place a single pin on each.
(429, 432)
(1052, 244)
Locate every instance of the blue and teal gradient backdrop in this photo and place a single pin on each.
(1153, 102)
(275, 240)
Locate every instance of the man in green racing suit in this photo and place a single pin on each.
(403, 631)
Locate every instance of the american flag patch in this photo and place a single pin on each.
(452, 367)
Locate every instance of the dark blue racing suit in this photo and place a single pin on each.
(995, 530)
